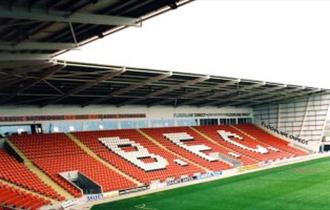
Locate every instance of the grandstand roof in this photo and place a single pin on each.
(61, 82)
(32, 32)
(35, 29)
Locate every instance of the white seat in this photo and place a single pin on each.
(114, 144)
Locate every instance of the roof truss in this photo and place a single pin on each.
(87, 85)
(39, 14)
(221, 94)
(197, 92)
(59, 82)
(30, 45)
(130, 88)
(168, 89)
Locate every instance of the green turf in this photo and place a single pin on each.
(301, 186)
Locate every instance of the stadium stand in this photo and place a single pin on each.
(13, 171)
(160, 135)
(146, 155)
(12, 198)
(135, 153)
(262, 135)
(55, 153)
(174, 170)
(41, 94)
(244, 143)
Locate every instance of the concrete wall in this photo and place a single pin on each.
(158, 116)
(2, 141)
(155, 112)
(304, 118)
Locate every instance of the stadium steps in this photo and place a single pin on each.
(105, 163)
(291, 143)
(254, 138)
(240, 130)
(34, 169)
(247, 134)
(170, 151)
(310, 152)
(27, 191)
(235, 163)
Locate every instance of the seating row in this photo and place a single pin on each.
(13, 171)
(13, 198)
(57, 153)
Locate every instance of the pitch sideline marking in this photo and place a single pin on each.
(143, 206)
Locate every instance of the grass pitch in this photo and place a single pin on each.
(302, 186)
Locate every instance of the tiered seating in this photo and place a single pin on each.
(242, 143)
(135, 142)
(55, 153)
(137, 154)
(13, 198)
(13, 171)
(198, 149)
(162, 136)
(270, 139)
